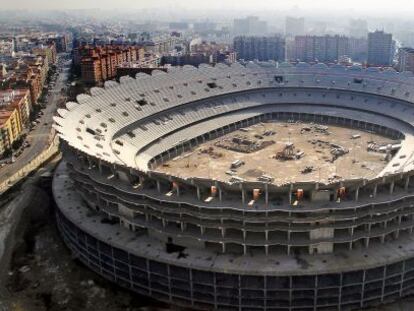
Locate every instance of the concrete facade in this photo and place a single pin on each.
(199, 242)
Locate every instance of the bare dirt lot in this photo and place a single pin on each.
(43, 276)
(286, 152)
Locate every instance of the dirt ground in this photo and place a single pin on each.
(213, 160)
(44, 277)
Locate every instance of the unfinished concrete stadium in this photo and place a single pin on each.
(256, 186)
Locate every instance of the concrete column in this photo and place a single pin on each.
(223, 232)
(267, 235)
(244, 249)
(202, 230)
(198, 193)
(392, 187)
(366, 242)
(178, 190)
(357, 194)
(244, 235)
(158, 186)
(266, 194)
(363, 288)
(243, 196)
(374, 194)
(220, 194)
(223, 247)
(396, 234)
(267, 250)
(290, 193)
(407, 182)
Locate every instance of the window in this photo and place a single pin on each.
(278, 79)
(125, 114)
(131, 134)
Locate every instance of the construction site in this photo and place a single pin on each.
(273, 188)
(282, 152)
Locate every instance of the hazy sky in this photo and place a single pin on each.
(385, 6)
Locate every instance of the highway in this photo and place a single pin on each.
(39, 136)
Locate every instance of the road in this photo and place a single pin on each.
(39, 136)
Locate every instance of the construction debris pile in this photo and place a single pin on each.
(289, 153)
(245, 144)
(389, 149)
(336, 150)
(211, 152)
(307, 170)
(317, 128)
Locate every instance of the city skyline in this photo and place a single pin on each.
(404, 7)
(217, 155)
